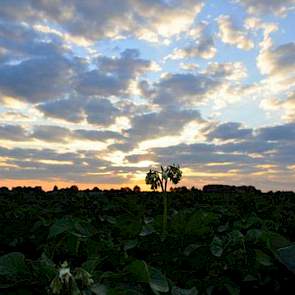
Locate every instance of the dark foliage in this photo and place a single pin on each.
(226, 242)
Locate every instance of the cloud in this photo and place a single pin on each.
(287, 105)
(113, 75)
(285, 132)
(51, 165)
(234, 71)
(231, 34)
(36, 80)
(100, 111)
(183, 89)
(12, 132)
(93, 20)
(230, 130)
(159, 124)
(277, 7)
(20, 41)
(50, 133)
(70, 109)
(278, 62)
(94, 110)
(201, 45)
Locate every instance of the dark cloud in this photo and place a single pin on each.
(96, 135)
(187, 89)
(12, 132)
(100, 112)
(105, 19)
(36, 80)
(71, 109)
(82, 166)
(20, 41)
(230, 130)
(279, 133)
(61, 134)
(97, 111)
(159, 124)
(113, 75)
(51, 133)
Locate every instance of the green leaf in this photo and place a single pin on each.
(157, 280)
(191, 248)
(13, 265)
(232, 288)
(200, 223)
(99, 289)
(179, 291)
(249, 278)
(147, 230)
(45, 268)
(111, 219)
(223, 228)
(263, 258)
(141, 272)
(91, 263)
(130, 244)
(287, 256)
(73, 226)
(60, 226)
(216, 247)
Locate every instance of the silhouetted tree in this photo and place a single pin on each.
(136, 189)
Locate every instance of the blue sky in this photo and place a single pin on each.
(95, 93)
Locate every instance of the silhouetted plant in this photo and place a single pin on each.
(157, 179)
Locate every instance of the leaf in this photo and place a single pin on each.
(157, 280)
(232, 288)
(147, 230)
(99, 289)
(75, 227)
(223, 228)
(200, 223)
(129, 227)
(111, 219)
(141, 272)
(249, 278)
(60, 226)
(130, 244)
(45, 268)
(191, 248)
(179, 291)
(91, 263)
(263, 258)
(287, 256)
(13, 265)
(216, 247)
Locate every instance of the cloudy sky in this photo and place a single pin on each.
(96, 92)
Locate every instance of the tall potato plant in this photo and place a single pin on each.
(156, 179)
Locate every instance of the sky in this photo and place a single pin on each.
(95, 93)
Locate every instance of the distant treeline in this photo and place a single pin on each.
(210, 188)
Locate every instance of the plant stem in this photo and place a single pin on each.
(165, 214)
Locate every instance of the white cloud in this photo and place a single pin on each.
(277, 7)
(231, 34)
